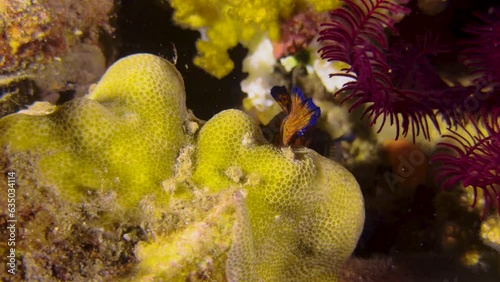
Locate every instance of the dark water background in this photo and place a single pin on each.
(144, 26)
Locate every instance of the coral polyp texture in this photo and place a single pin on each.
(224, 24)
(295, 206)
(160, 199)
(126, 133)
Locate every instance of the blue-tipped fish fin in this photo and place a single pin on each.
(303, 115)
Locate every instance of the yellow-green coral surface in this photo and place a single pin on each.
(225, 23)
(298, 209)
(124, 136)
(220, 203)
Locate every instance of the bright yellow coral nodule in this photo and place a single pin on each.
(490, 232)
(220, 203)
(225, 23)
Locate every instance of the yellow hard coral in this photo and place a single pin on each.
(126, 133)
(198, 249)
(214, 155)
(308, 235)
(225, 23)
(305, 211)
(218, 203)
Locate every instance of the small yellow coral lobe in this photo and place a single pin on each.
(490, 232)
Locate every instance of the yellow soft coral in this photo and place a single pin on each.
(225, 23)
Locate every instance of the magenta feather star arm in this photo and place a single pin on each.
(482, 56)
(475, 160)
(483, 53)
(356, 36)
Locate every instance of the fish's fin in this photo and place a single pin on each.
(303, 115)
